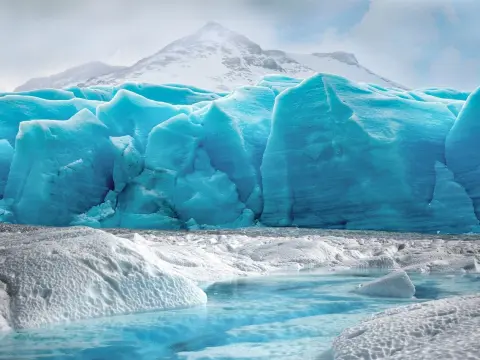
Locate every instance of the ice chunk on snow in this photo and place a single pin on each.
(301, 251)
(396, 284)
(376, 262)
(432, 330)
(61, 275)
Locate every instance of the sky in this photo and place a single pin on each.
(419, 43)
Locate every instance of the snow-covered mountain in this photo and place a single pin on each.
(217, 58)
(71, 77)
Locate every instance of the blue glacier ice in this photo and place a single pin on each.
(462, 149)
(340, 156)
(321, 152)
(55, 161)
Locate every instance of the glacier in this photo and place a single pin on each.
(323, 152)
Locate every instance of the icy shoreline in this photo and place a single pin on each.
(42, 268)
(55, 275)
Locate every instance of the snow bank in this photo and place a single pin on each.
(438, 329)
(324, 152)
(77, 273)
(204, 256)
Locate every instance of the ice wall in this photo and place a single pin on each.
(324, 152)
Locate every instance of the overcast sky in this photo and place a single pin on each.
(415, 42)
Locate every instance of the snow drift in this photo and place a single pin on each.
(324, 152)
(50, 276)
(439, 329)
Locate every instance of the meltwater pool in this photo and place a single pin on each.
(293, 316)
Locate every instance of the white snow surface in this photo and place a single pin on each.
(440, 329)
(396, 284)
(56, 275)
(217, 59)
(211, 256)
(77, 273)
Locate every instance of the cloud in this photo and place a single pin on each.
(452, 69)
(428, 43)
(42, 37)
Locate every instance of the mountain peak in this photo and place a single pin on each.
(212, 34)
(216, 58)
(213, 30)
(213, 25)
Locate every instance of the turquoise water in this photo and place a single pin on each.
(285, 317)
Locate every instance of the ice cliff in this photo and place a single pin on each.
(323, 152)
